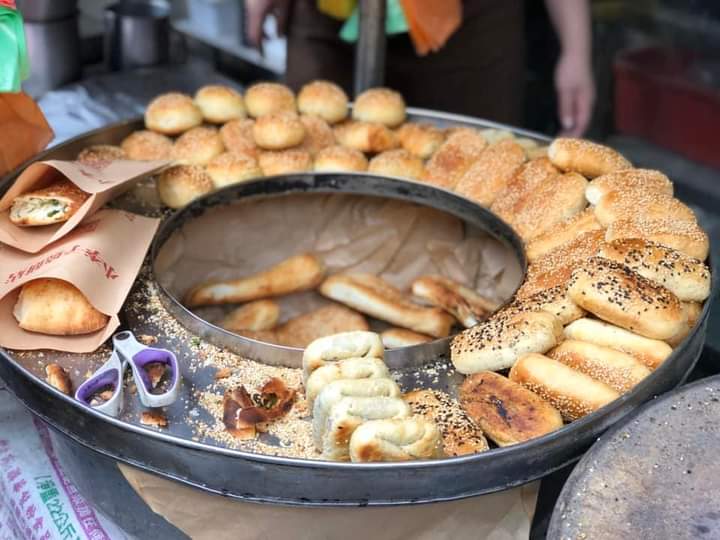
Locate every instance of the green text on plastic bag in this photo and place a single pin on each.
(395, 22)
(13, 52)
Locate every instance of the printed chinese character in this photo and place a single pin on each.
(17, 486)
(48, 494)
(25, 497)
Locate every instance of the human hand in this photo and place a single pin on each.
(575, 88)
(256, 11)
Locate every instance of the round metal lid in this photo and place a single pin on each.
(654, 476)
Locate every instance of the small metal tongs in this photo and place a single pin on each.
(127, 350)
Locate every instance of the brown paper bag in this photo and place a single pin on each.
(506, 515)
(101, 257)
(22, 118)
(103, 181)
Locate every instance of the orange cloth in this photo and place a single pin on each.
(431, 22)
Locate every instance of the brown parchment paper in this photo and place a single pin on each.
(101, 257)
(506, 515)
(24, 129)
(397, 240)
(104, 181)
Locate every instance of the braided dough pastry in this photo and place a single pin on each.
(651, 352)
(687, 278)
(349, 368)
(617, 369)
(628, 181)
(616, 294)
(335, 391)
(498, 342)
(348, 414)
(370, 294)
(571, 392)
(295, 274)
(466, 305)
(506, 411)
(396, 440)
(340, 346)
(585, 157)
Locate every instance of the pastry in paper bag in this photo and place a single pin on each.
(101, 258)
(101, 181)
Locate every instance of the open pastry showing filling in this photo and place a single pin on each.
(53, 204)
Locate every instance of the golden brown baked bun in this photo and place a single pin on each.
(555, 267)
(100, 154)
(687, 278)
(237, 136)
(197, 146)
(172, 114)
(324, 99)
(616, 294)
(551, 203)
(254, 316)
(618, 205)
(267, 98)
(485, 179)
(507, 412)
(585, 157)
(620, 371)
(420, 140)
(181, 184)
(573, 393)
(397, 162)
(460, 435)
(278, 131)
(692, 312)
(230, 168)
(528, 177)
(651, 352)
(220, 104)
(554, 300)
(366, 137)
(562, 233)
(285, 162)
(685, 236)
(460, 150)
(146, 145)
(340, 159)
(380, 105)
(628, 180)
(318, 134)
(499, 341)
(56, 307)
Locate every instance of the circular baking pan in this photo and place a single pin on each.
(177, 453)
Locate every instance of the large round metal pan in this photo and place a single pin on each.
(262, 478)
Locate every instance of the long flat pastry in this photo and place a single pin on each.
(371, 295)
(298, 273)
(466, 305)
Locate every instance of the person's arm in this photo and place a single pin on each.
(574, 82)
(256, 11)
